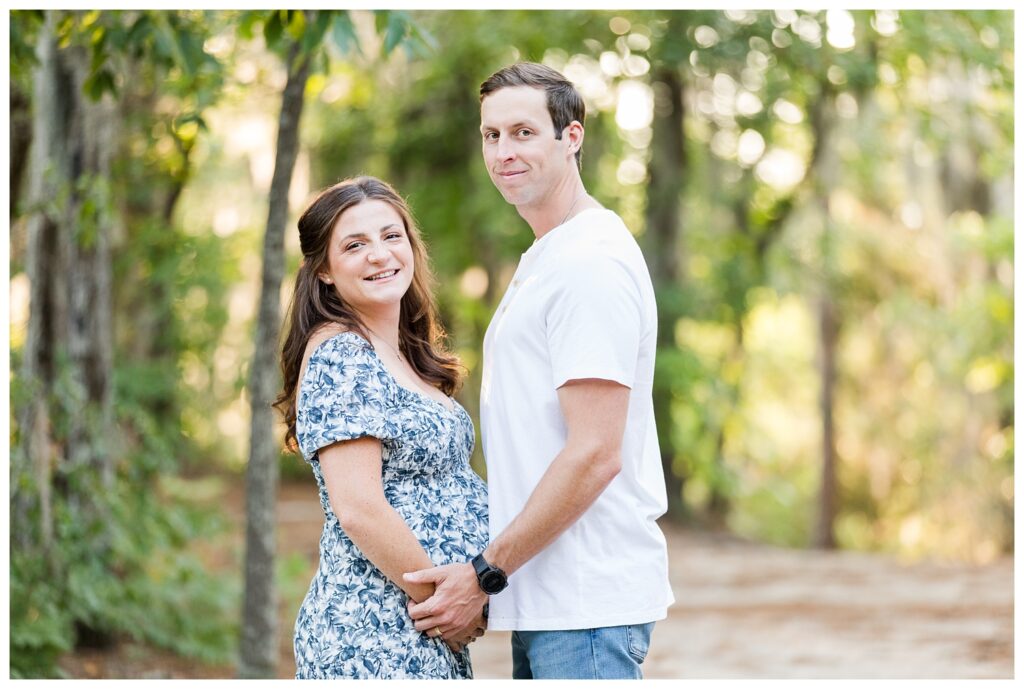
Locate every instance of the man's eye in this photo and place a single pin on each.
(525, 132)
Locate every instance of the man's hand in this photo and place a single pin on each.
(475, 630)
(456, 606)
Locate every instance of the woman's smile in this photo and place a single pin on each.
(383, 275)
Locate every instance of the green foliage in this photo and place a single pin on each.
(398, 28)
(171, 42)
(24, 31)
(120, 565)
(343, 34)
(40, 627)
(172, 346)
(292, 577)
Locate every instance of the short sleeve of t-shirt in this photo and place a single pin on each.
(593, 320)
(344, 394)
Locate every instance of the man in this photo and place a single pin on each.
(573, 466)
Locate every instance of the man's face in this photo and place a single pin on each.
(525, 160)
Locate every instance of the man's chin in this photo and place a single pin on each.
(512, 197)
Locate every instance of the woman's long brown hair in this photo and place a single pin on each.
(420, 335)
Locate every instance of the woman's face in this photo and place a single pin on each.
(369, 257)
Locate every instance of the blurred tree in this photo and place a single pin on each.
(68, 266)
(24, 27)
(731, 230)
(846, 73)
(667, 172)
(259, 612)
(85, 533)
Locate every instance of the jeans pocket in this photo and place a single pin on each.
(638, 640)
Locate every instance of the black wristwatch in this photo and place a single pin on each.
(491, 579)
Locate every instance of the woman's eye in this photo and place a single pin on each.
(353, 245)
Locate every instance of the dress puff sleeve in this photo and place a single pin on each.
(345, 393)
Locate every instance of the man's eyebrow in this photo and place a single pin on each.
(517, 125)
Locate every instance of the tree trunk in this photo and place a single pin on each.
(828, 500)
(68, 267)
(21, 142)
(719, 503)
(826, 170)
(259, 615)
(31, 464)
(666, 170)
(90, 136)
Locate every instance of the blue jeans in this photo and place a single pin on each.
(600, 653)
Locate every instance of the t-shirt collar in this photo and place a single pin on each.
(539, 245)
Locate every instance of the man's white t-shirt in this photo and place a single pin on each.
(580, 305)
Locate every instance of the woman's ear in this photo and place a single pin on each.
(325, 278)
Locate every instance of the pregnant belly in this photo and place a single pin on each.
(449, 521)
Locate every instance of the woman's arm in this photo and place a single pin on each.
(352, 474)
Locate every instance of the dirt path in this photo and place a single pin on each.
(750, 611)
(742, 610)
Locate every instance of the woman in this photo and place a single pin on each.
(367, 400)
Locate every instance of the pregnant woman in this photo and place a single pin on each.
(367, 400)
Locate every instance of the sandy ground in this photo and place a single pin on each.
(742, 610)
(751, 611)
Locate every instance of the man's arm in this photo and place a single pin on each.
(595, 417)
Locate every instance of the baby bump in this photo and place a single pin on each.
(449, 520)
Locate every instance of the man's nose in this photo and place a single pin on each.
(506, 149)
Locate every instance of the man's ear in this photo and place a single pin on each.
(574, 134)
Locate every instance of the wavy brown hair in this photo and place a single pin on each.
(314, 304)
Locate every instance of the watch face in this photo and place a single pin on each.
(492, 582)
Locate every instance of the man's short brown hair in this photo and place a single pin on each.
(564, 102)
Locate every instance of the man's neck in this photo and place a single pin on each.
(555, 209)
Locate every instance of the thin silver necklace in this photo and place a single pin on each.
(402, 359)
(575, 201)
(397, 353)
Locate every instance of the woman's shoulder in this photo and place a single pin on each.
(333, 337)
(334, 349)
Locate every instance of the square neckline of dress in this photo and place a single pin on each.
(453, 409)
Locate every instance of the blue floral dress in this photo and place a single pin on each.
(353, 622)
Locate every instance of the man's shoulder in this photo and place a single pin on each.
(604, 241)
(605, 222)
(606, 232)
